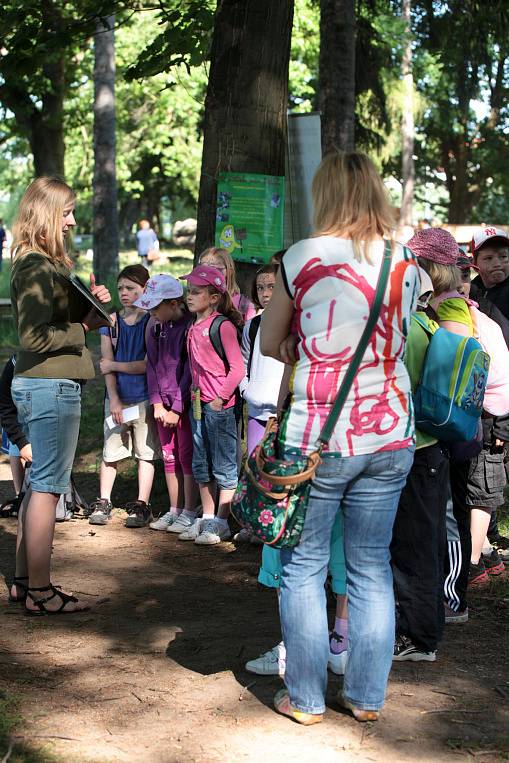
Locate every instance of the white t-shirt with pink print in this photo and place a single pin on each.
(332, 294)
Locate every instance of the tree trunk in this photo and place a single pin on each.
(336, 90)
(105, 213)
(246, 102)
(41, 122)
(407, 126)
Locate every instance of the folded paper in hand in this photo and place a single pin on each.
(128, 414)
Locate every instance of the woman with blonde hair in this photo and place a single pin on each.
(326, 288)
(52, 320)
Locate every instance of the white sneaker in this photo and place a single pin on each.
(191, 532)
(181, 523)
(212, 532)
(272, 663)
(337, 663)
(163, 522)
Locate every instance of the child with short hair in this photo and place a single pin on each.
(217, 368)
(219, 258)
(146, 241)
(123, 365)
(169, 387)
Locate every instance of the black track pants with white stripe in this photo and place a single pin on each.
(459, 540)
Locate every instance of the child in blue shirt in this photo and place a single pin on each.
(123, 364)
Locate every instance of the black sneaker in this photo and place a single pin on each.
(139, 514)
(477, 575)
(100, 511)
(501, 543)
(404, 650)
(493, 563)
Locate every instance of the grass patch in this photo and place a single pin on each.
(14, 751)
(174, 261)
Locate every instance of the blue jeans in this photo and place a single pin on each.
(49, 411)
(215, 446)
(366, 490)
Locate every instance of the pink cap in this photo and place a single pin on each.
(206, 275)
(488, 234)
(435, 244)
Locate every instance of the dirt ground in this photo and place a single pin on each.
(154, 672)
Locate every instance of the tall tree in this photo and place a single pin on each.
(336, 90)
(465, 82)
(407, 125)
(105, 213)
(247, 96)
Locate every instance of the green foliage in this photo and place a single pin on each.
(185, 38)
(158, 130)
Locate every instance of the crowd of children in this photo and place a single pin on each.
(177, 367)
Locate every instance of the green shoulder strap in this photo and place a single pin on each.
(347, 382)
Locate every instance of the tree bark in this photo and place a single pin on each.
(336, 90)
(407, 126)
(246, 101)
(105, 212)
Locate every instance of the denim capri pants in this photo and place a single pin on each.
(215, 446)
(49, 411)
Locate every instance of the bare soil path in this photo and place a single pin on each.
(154, 672)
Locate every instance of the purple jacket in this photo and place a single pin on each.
(168, 374)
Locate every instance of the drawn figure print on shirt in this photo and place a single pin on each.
(328, 362)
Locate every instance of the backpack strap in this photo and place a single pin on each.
(254, 327)
(115, 332)
(422, 323)
(215, 338)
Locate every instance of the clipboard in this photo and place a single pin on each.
(85, 292)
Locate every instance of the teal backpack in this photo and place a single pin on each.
(449, 397)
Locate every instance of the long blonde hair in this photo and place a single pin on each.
(221, 254)
(350, 201)
(38, 224)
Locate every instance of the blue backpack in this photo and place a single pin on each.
(449, 396)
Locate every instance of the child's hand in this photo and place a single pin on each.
(171, 419)
(217, 404)
(26, 454)
(106, 365)
(159, 412)
(116, 411)
(100, 292)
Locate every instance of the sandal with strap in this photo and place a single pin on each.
(17, 581)
(40, 603)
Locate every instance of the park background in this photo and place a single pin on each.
(139, 106)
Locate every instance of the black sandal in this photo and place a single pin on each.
(17, 582)
(41, 609)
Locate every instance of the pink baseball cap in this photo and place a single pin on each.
(157, 289)
(435, 244)
(484, 235)
(206, 275)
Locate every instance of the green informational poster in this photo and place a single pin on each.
(250, 215)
